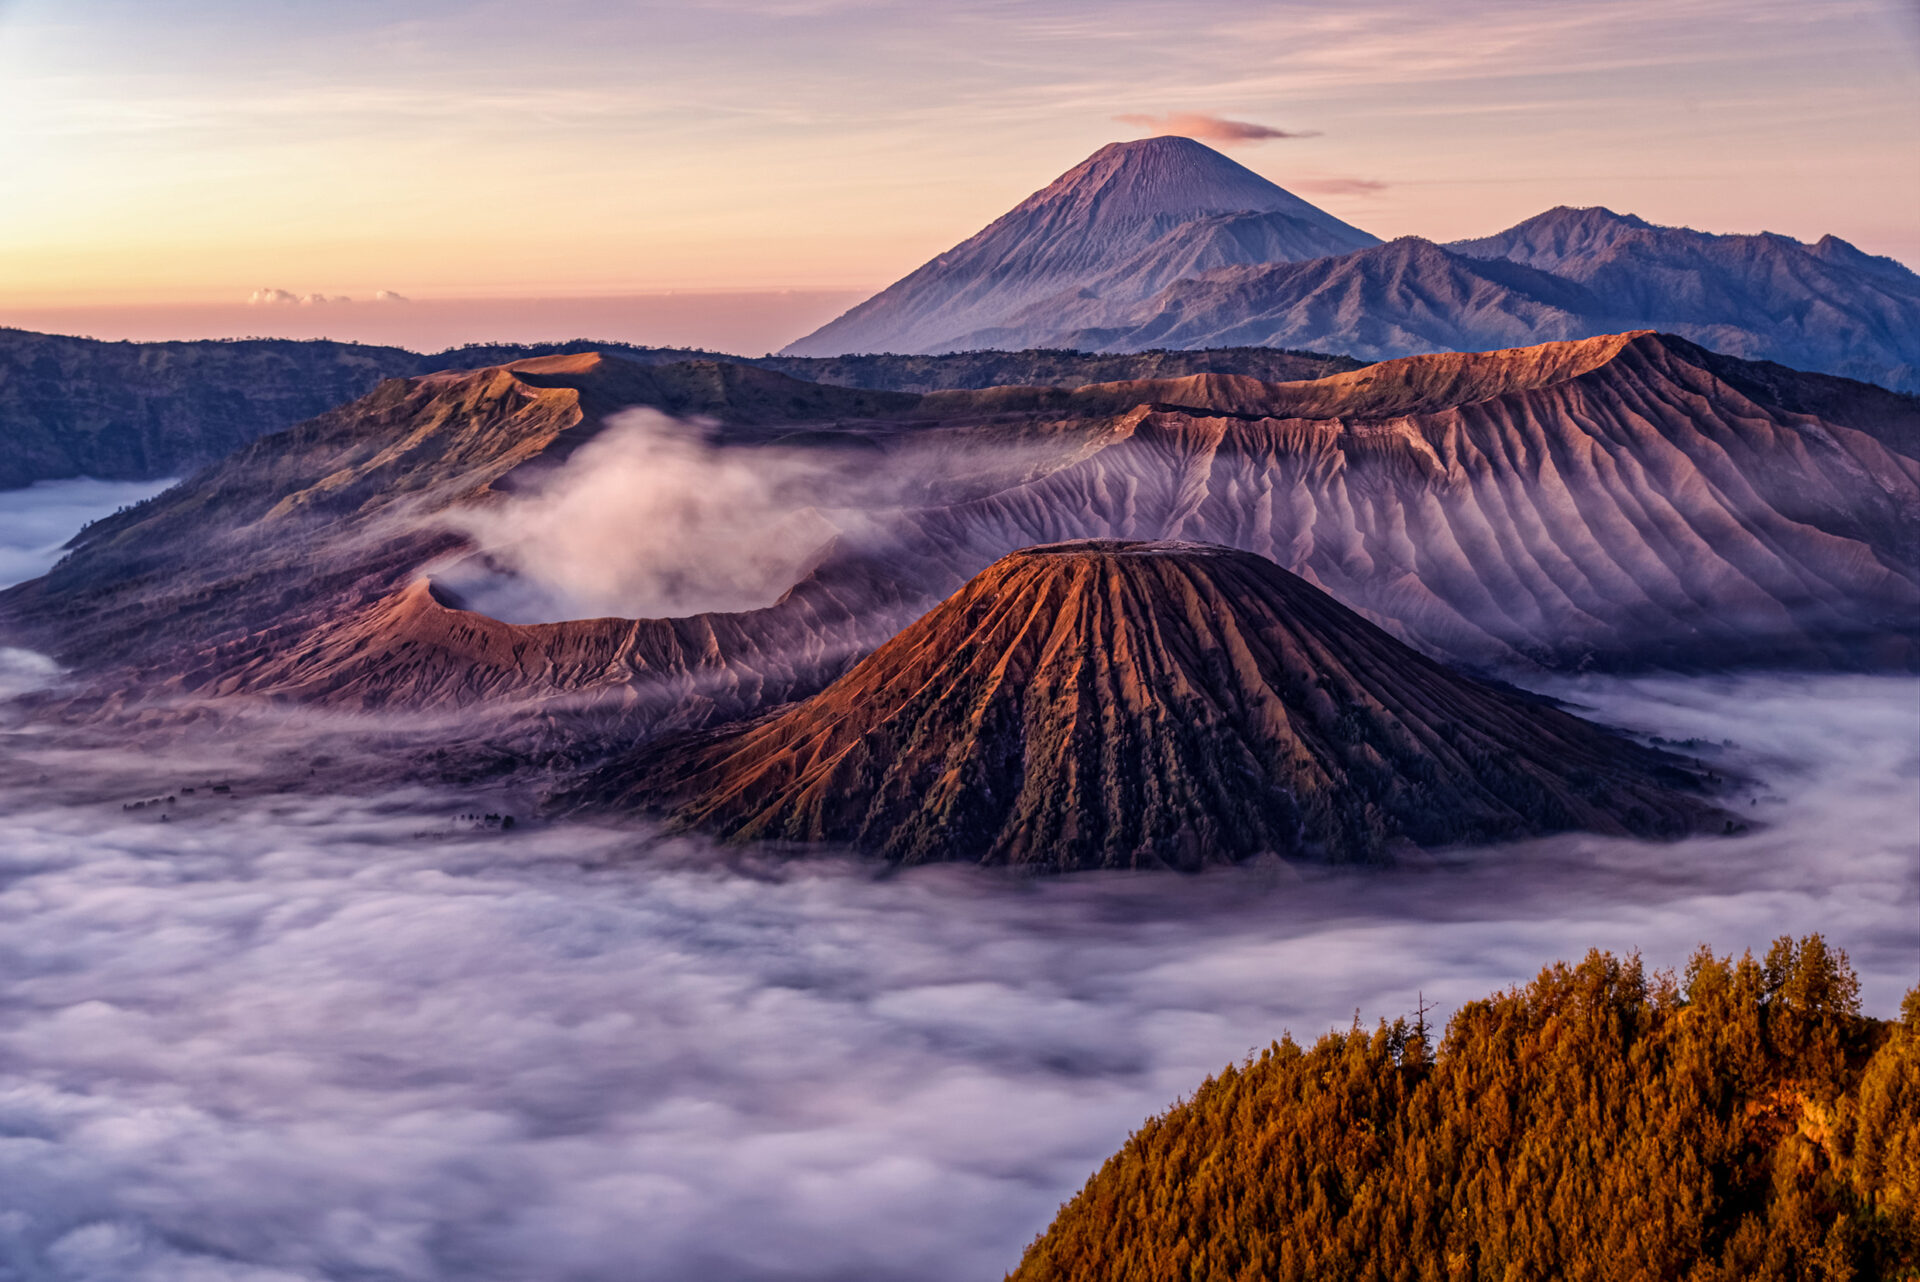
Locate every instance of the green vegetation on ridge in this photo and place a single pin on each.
(1743, 1121)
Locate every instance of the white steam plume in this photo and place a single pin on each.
(647, 520)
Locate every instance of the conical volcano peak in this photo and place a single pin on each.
(1168, 176)
(1117, 704)
(1125, 200)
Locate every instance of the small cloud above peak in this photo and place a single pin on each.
(1205, 128)
(1339, 186)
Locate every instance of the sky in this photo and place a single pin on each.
(189, 154)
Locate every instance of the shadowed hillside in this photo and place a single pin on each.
(1051, 367)
(140, 411)
(1602, 1123)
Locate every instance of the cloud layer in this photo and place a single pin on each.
(1339, 186)
(1215, 129)
(317, 1038)
(37, 520)
(271, 297)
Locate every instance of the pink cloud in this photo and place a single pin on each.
(1193, 124)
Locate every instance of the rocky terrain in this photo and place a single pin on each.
(1623, 503)
(1612, 502)
(1110, 704)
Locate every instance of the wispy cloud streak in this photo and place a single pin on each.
(1214, 129)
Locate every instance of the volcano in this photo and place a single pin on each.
(1157, 200)
(1166, 244)
(1566, 274)
(1624, 503)
(1114, 704)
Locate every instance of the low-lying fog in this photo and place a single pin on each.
(275, 1037)
(305, 1037)
(36, 521)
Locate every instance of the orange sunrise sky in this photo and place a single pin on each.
(165, 162)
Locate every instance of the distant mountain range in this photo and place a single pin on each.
(1130, 217)
(1152, 259)
(141, 411)
(1143, 246)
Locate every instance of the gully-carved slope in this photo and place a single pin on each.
(1616, 502)
(1822, 306)
(292, 569)
(1566, 274)
(1620, 502)
(1122, 705)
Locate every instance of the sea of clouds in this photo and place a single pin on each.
(36, 521)
(35, 524)
(277, 1036)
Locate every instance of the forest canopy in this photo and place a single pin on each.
(1740, 1121)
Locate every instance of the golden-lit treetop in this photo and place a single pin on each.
(1740, 1121)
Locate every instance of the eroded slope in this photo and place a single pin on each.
(1626, 502)
(1618, 501)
